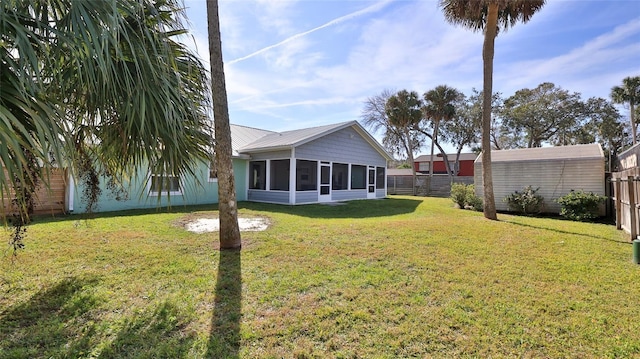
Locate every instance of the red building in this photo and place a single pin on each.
(464, 168)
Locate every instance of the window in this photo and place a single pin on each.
(358, 177)
(257, 174)
(380, 177)
(165, 184)
(340, 176)
(213, 171)
(306, 175)
(279, 175)
(423, 166)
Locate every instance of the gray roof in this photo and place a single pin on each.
(588, 151)
(254, 140)
(450, 157)
(241, 136)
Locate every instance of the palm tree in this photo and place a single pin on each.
(440, 105)
(629, 93)
(488, 16)
(404, 113)
(229, 231)
(104, 80)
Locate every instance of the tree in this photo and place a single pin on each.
(628, 93)
(546, 114)
(404, 113)
(604, 122)
(440, 105)
(464, 129)
(227, 204)
(489, 16)
(98, 80)
(375, 117)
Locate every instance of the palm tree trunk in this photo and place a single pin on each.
(409, 149)
(487, 58)
(227, 204)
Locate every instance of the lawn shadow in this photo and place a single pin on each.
(348, 209)
(64, 321)
(45, 326)
(157, 334)
(224, 338)
(566, 232)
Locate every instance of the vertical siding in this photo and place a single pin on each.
(555, 178)
(344, 146)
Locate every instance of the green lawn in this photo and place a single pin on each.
(393, 278)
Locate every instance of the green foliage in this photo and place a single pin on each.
(525, 202)
(580, 205)
(465, 196)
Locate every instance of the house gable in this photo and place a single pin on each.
(344, 146)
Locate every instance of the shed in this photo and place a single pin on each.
(554, 170)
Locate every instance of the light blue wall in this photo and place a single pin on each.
(195, 190)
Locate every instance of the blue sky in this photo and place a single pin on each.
(294, 64)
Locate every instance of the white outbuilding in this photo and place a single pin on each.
(554, 170)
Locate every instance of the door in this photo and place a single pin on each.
(325, 182)
(371, 183)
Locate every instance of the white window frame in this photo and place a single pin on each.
(153, 193)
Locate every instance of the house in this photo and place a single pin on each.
(554, 170)
(464, 168)
(330, 163)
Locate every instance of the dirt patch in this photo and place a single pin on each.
(203, 223)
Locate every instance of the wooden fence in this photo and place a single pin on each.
(49, 200)
(626, 196)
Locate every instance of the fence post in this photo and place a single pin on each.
(618, 197)
(632, 208)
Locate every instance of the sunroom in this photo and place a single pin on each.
(322, 164)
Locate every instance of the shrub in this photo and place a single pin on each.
(465, 196)
(580, 206)
(459, 194)
(525, 202)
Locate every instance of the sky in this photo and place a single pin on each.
(305, 63)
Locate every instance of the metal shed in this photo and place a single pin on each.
(554, 170)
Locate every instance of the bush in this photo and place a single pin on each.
(525, 202)
(465, 196)
(580, 206)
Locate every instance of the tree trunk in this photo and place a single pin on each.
(227, 204)
(487, 58)
(632, 118)
(409, 148)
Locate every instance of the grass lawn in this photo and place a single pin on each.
(394, 278)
